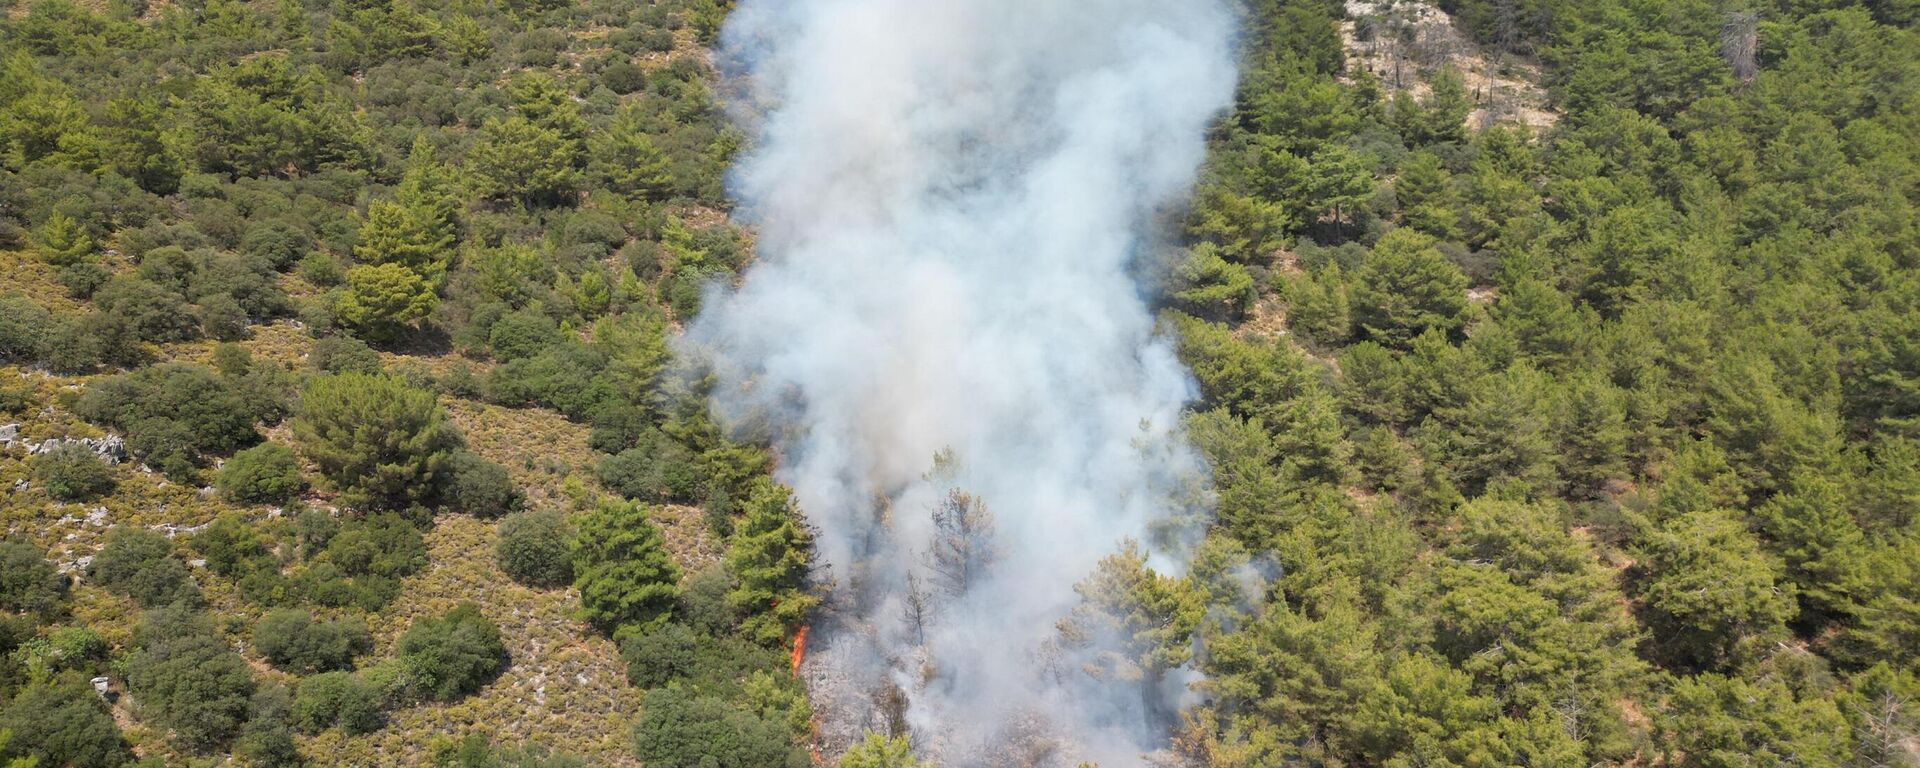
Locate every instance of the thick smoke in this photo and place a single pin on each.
(952, 197)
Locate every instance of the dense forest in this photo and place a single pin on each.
(336, 430)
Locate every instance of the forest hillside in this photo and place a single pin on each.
(1556, 369)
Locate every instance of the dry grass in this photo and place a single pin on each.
(22, 273)
(565, 687)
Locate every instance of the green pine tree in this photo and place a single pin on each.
(769, 557)
(626, 577)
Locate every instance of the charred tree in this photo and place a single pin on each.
(1740, 44)
(963, 546)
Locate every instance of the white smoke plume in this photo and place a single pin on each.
(951, 199)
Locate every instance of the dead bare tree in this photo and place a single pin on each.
(1885, 734)
(1740, 44)
(918, 608)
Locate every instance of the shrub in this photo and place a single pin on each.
(63, 724)
(340, 699)
(321, 270)
(378, 441)
(78, 648)
(661, 656)
(679, 728)
(623, 77)
(361, 562)
(453, 655)
(277, 243)
(25, 329)
(84, 279)
(293, 641)
(656, 468)
(28, 583)
(536, 548)
(72, 472)
(522, 334)
(267, 473)
(343, 354)
(232, 546)
(703, 601)
(187, 677)
(152, 311)
(480, 487)
(173, 414)
(140, 564)
(266, 740)
(475, 751)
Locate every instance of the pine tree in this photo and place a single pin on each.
(61, 241)
(769, 557)
(1425, 193)
(375, 439)
(625, 159)
(1319, 306)
(963, 547)
(1812, 529)
(539, 98)
(382, 302)
(878, 751)
(1710, 590)
(431, 191)
(1147, 616)
(626, 577)
(415, 238)
(517, 159)
(1341, 183)
(1405, 288)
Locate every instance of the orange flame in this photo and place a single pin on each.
(799, 649)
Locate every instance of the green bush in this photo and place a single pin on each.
(141, 564)
(703, 601)
(232, 546)
(267, 738)
(337, 699)
(61, 724)
(294, 641)
(536, 548)
(656, 468)
(175, 414)
(267, 473)
(522, 334)
(623, 77)
(359, 562)
(72, 472)
(343, 354)
(25, 329)
(480, 487)
(152, 311)
(28, 583)
(679, 728)
(322, 270)
(277, 243)
(188, 678)
(453, 655)
(662, 656)
(476, 751)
